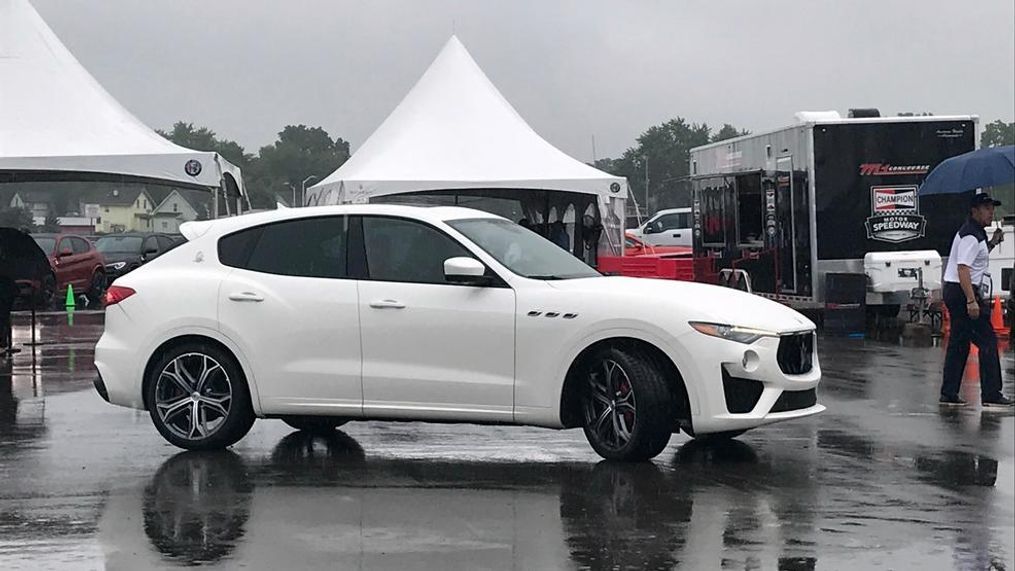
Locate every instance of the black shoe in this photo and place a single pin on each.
(951, 401)
(998, 402)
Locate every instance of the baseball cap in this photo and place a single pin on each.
(981, 198)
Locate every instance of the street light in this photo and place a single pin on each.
(293, 188)
(303, 186)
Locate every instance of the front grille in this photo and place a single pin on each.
(795, 400)
(796, 353)
(741, 394)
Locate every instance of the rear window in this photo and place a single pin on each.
(309, 247)
(47, 244)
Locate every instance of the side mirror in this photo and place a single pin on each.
(467, 271)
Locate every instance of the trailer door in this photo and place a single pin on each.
(785, 227)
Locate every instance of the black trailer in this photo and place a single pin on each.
(796, 204)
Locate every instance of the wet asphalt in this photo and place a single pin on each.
(883, 479)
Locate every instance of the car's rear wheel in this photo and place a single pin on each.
(198, 397)
(626, 405)
(96, 288)
(315, 424)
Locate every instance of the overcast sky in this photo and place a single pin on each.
(573, 69)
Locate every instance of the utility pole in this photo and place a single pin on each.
(648, 204)
(303, 188)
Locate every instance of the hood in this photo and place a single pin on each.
(699, 302)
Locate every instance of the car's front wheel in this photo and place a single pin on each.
(198, 398)
(315, 424)
(626, 405)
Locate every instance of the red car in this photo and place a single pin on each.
(635, 247)
(75, 262)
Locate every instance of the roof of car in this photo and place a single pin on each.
(426, 213)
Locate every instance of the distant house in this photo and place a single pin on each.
(179, 207)
(38, 202)
(121, 210)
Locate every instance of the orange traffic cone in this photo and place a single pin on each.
(997, 317)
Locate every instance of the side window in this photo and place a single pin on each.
(668, 222)
(683, 220)
(234, 249)
(309, 247)
(79, 246)
(399, 250)
(165, 243)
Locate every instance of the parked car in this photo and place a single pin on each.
(670, 227)
(635, 247)
(127, 251)
(76, 263)
(319, 316)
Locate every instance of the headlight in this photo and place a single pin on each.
(118, 265)
(745, 335)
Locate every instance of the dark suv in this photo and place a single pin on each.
(128, 251)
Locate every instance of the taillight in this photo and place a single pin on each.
(115, 294)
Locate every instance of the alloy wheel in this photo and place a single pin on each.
(610, 409)
(193, 396)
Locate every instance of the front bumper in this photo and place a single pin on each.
(745, 386)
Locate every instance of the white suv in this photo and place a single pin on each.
(319, 316)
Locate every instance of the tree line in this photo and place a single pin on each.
(656, 167)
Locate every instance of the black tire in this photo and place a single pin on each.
(323, 425)
(44, 298)
(626, 406)
(97, 288)
(169, 392)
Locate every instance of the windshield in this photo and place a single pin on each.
(523, 251)
(119, 244)
(47, 244)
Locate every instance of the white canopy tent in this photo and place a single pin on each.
(455, 131)
(56, 118)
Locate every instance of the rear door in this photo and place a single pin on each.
(289, 305)
(431, 349)
(150, 249)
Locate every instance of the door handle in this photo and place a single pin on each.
(387, 304)
(245, 296)
(677, 235)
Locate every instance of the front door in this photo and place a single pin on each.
(289, 305)
(431, 349)
(672, 229)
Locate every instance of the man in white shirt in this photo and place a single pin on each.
(967, 294)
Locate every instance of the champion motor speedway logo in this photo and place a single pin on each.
(895, 214)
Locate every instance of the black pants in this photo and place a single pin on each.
(965, 330)
(8, 292)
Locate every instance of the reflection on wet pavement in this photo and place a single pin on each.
(882, 480)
